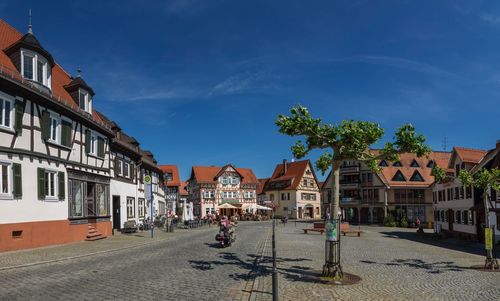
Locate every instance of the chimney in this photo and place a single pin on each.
(285, 167)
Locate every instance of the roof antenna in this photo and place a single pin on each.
(30, 27)
(445, 146)
(79, 72)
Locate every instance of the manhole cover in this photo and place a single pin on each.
(348, 279)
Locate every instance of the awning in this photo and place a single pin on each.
(227, 206)
(259, 207)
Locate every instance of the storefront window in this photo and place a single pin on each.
(101, 200)
(76, 199)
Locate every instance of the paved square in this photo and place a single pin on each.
(188, 265)
(391, 264)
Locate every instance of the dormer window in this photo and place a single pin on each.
(85, 101)
(35, 67)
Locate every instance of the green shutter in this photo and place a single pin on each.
(41, 183)
(100, 147)
(117, 170)
(18, 187)
(61, 185)
(66, 133)
(45, 125)
(18, 122)
(87, 141)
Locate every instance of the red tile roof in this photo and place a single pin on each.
(262, 185)
(182, 189)
(60, 78)
(294, 172)
(469, 155)
(207, 174)
(175, 174)
(387, 174)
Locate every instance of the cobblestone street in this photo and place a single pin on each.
(391, 264)
(187, 265)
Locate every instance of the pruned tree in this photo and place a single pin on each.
(348, 140)
(485, 180)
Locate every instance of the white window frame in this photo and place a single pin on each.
(57, 119)
(93, 143)
(49, 172)
(224, 180)
(126, 167)
(131, 206)
(46, 77)
(10, 183)
(87, 100)
(234, 180)
(7, 98)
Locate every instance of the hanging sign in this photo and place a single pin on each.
(488, 239)
(331, 230)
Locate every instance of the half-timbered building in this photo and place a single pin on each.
(210, 187)
(54, 150)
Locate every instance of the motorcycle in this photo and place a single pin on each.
(225, 237)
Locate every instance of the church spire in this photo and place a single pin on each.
(30, 27)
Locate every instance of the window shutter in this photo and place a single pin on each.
(66, 133)
(131, 173)
(41, 183)
(87, 141)
(45, 125)
(19, 112)
(18, 187)
(117, 169)
(100, 147)
(61, 185)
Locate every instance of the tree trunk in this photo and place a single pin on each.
(332, 267)
(489, 253)
(336, 189)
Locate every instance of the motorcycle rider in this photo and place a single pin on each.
(226, 226)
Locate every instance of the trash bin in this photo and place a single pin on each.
(429, 225)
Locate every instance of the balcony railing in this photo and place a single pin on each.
(349, 169)
(350, 200)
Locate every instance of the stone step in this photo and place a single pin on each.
(100, 236)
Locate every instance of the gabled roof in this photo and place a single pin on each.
(293, 175)
(207, 174)
(490, 160)
(78, 82)
(262, 185)
(387, 173)
(182, 189)
(468, 155)
(29, 41)
(9, 36)
(175, 175)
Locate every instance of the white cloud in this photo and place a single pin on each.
(493, 20)
(242, 82)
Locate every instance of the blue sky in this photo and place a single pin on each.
(201, 82)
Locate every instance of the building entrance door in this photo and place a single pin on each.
(90, 199)
(451, 218)
(116, 212)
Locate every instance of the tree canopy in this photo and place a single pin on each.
(349, 140)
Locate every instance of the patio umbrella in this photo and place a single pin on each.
(227, 206)
(263, 207)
